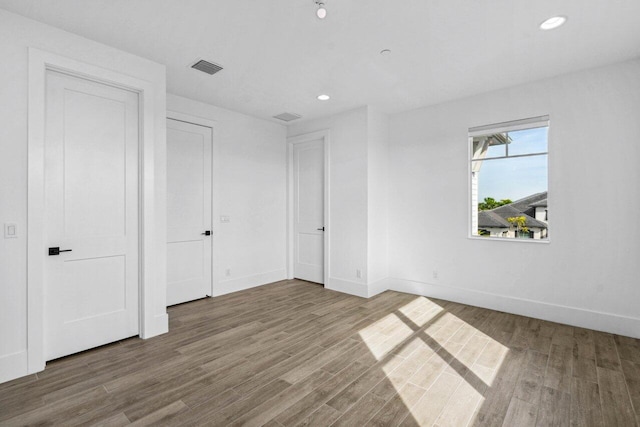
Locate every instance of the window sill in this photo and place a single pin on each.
(507, 239)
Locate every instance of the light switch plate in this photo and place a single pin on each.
(225, 218)
(10, 230)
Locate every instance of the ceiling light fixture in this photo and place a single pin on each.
(322, 11)
(324, 97)
(553, 23)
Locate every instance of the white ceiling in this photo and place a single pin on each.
(278, 56)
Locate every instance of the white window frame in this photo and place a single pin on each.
(510, 126)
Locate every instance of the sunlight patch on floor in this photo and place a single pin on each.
(440, 366)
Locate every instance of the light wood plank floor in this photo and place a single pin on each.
(293, 353)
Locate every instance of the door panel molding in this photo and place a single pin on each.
(324, 135)
(153, 319)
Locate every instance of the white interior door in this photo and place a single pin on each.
(91, 199)
(308, 200)
(188, 211)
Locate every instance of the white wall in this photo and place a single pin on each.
(378, 203)
(588, 274)
(358, 168)
(249, 186)
(16, 35)
(347, 198)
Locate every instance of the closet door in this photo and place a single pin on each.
(189, 235)
(308, 201)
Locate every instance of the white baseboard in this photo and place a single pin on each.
(600, 321)
(347, 287)
(13, 366)
(239, 284)
(378, 287)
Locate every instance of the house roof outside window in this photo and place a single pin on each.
(497, 218)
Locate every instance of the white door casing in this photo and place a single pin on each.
(308, 210)
(152, 194)
(91, 207)
(189, 193)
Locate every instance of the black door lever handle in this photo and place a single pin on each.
(206, 233)
(320, 229)
(57, 250)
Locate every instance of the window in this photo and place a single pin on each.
(509, 184)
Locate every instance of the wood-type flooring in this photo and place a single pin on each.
(293, 353)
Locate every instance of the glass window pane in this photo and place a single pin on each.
(489, 146)
(528, 141)
(512, 179)
(510, 198)
(509, 181)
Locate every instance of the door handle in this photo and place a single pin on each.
(206, 233)
(320, 229)
(57, 250)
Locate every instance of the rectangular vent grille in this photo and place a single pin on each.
(206, 67)
(287, 117)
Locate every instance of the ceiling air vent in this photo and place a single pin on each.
(206, 67)
(287, 117)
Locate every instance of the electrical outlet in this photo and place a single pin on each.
(359, 274)
(435, 274)
(10, 230)
(227, 272)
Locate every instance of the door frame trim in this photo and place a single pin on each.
(211, 124)
(150, 207)
(291, 141)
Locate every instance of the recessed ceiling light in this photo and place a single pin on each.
(322, 11)
(552, 23)
(385, 52)
(324, 97)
